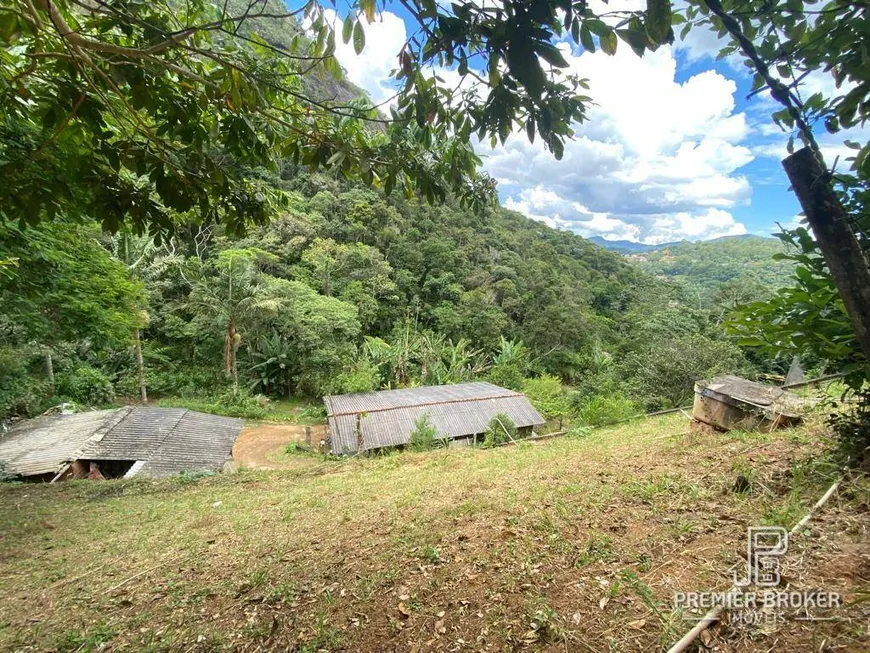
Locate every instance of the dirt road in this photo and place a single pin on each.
(263, 446)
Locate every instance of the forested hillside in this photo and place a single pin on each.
(347, 291)
(729, 270)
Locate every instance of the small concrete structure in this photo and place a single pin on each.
(729, 402)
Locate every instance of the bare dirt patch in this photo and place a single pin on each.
(263, 446)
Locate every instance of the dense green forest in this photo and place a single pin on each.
(348, 291)
(724, 271)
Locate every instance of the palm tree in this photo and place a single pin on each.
(232, 297)
(137, 253)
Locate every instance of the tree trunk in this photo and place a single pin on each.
(140, 366)
(841, 249)
(49, 368)
(229, 340)
(235, 370)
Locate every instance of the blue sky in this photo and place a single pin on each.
(672, 149)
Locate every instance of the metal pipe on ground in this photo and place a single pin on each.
(713, 615)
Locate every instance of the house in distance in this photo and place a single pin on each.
(368, 421)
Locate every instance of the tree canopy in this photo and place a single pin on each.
(133, 113)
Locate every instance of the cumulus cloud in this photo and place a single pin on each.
(370, 70)
(656, 161)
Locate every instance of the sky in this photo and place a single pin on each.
(672, 148)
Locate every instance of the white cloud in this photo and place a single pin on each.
(370, 69)
(834, 150)
(656, 161)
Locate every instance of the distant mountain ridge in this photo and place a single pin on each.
(626, 245)
(630, 246)
(740, 266)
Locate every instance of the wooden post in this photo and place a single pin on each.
(140, 365)
(360, 441)
(49, 368)
(841, 249)
(308, 435)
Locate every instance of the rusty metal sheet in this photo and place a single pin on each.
(456, 411)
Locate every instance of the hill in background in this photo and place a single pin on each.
(285, 34)
(624, 246)
(738, 266)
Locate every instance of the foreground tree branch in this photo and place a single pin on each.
(812, 183)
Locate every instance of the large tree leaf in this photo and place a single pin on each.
(658, 20)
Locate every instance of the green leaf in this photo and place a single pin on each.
(347, 29)
(551, 54)
(608, 43)
(359, 38)
(586, 39)
(525, 66)
(658, 20)
(597, 27)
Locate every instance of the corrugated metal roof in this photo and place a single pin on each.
(43, 445)
(167, 440)
(136, 437)
(387, 418)
(429, 394)
(198, 442)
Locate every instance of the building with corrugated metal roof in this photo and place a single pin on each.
(373, 420)
(129, 441)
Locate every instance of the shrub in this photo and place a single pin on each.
(507, 375)
(501, 429)
(362, 376)
(852, 430)
(20, 393)
(578, 431)
(662, 374)
(189, 477)
(86, 385)
(185, 380)
(298, 448)
(424, 436)
(606, 409)
(312, 415)
(242, 405)
(548, 396)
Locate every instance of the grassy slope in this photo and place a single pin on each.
(545, 546)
